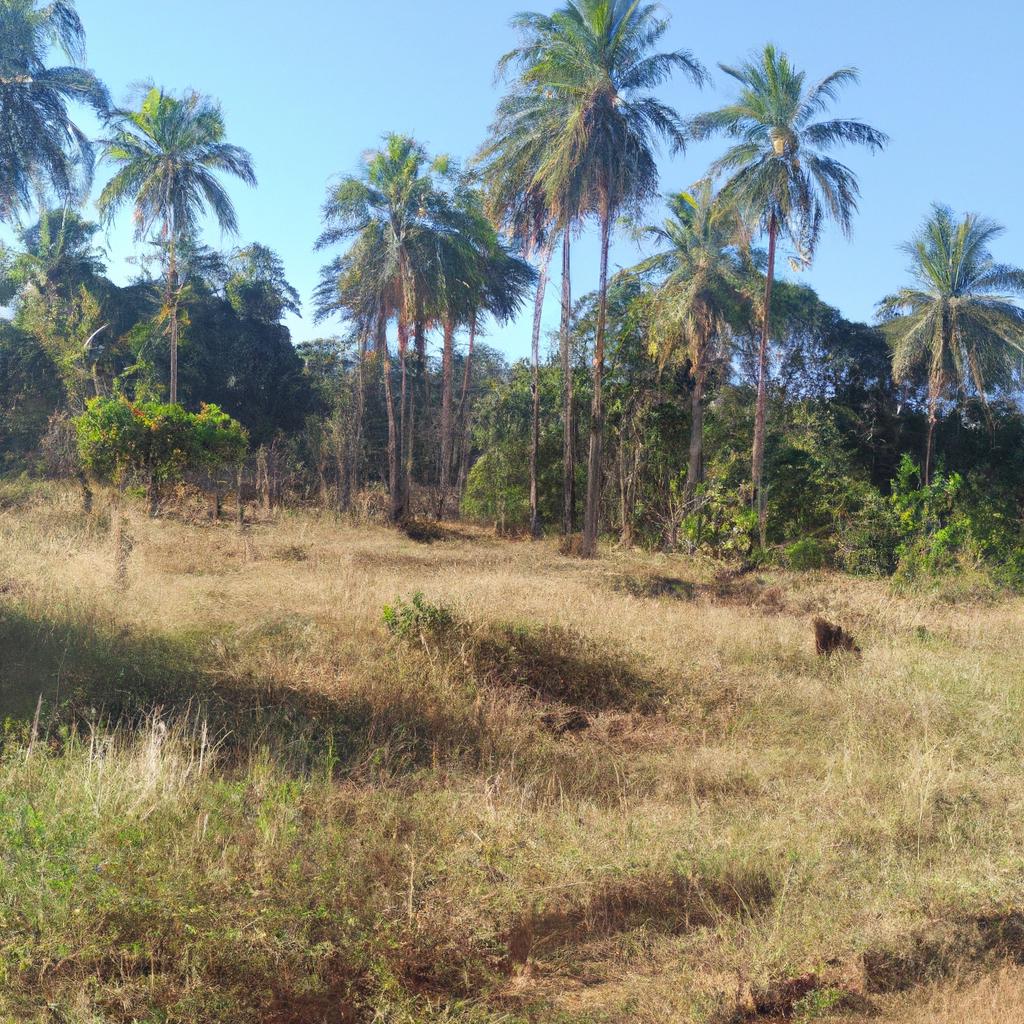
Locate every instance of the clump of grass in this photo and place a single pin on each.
(547, 662)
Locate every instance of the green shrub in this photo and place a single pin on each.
(806, 555)
(122, 441)
(417, 618)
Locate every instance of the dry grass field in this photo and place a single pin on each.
(559, 791)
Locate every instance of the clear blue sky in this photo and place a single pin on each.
(309, 85)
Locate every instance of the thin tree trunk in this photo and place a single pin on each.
(403, 418)
(408, 443)
(172, 298)
(447, 432)
(538, 318)
(625, 498)
(761, 414)
(394, 476)
(933, 419)
(356, 437)
(695, 473)
(592, 514)
(467, 376)
(568, 441)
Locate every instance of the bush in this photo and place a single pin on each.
(417, 619)
(119, 440)
(806, 555)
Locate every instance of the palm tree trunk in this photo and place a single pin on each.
(568, 445)
(933, 419)
(403, 419)
(394, 476)
(172, 301)
(538, 317)
(408, 442)
(356, 436)
(761, 415)
(695, 474)
(592, 514)
(463, 417)
(447, 433)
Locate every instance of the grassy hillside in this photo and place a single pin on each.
(551, 791)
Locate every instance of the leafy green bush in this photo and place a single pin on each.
(119, 440)
(417, 618)
(806, 555)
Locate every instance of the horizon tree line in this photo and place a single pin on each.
(433, 247)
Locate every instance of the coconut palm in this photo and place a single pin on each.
(169, 154)
(479, 275)
(361, 286)
(41, 147)
(961, 321)
(58, 254)
(390, 212)
(511, 160)
(780, 172)
(704, 281)
(498, 289)
(590, 68)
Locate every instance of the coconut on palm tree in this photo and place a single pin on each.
(704, 281)
(42, 149)
(961, 322)
(591, 67)
(169, 155)
(778, 171)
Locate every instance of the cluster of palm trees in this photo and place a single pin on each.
(432, 246)
(422, 254)
(574, 140)
(168, 152)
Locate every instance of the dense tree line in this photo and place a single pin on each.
(693, 401)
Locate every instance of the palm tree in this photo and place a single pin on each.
(58, 254)
(961, 320)
(169, 154)
(590, 68)
(41, 147)
(704, 282)
(496, 286)
(779, 172)
(511, 160)
(390, 213)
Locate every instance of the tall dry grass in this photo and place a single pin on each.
(379, 829)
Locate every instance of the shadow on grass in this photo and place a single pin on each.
(555, 664)
(668, 904)
(83, 673)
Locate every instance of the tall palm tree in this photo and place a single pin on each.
(361, 286)
(590, 66)
(169, 154)
(780, 172)
(41, 147)
(389, 212)
(511, 159)
(962, 319)
(704, 281)
(497, 288)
